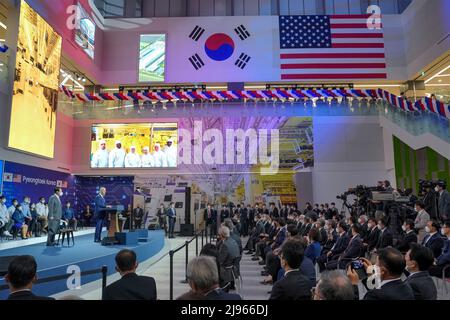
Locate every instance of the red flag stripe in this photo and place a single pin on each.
(350, 25)
(334, 76)
(334, 65)
(331, 55)
(357, 35)
(357, 45)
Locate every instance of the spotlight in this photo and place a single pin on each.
(84, 79)
(79, 78)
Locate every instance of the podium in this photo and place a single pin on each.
(111, 213)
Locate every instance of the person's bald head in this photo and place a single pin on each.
(334, 285)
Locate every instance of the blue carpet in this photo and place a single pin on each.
(86, 254)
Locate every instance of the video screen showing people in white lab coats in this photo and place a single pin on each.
(149, 145)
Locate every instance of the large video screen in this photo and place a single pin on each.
(36, 81)
(152, 58)
(85, 31)
(147, 145)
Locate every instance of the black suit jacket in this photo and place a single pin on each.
(341, 244)
(372, 238)
(385, 239)
(353, 250)
(323, 236)
(131, 287)
(294, 286)
(435, 243)
(407, 239)
(26, 295)
(422, 285)
(395, 290)
(220, 294)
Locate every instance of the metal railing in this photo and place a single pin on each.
(103, 270)
(204, 238)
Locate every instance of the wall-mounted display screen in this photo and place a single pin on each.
(136, 145)
(85, 31)
(152, 58)
(36, 81)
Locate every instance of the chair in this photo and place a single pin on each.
(65, 232)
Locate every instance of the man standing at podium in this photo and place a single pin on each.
(100, 206)
(172, 214)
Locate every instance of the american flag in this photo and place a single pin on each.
(17, 178)
(337, 47)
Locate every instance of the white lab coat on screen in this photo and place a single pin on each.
(117, 158)
(100, 159)
(171, 155)
(160, 159)
(147, 161)
(132, 160)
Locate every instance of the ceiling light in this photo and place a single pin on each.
(2, 40)
(440, 80)
(84, 80)
(441, 72)
(3, 25)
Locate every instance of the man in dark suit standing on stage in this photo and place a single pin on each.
(138, 215)
(172, 214)
(131, 286)
(100, 206)
(54, 215)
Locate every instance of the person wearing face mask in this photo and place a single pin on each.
(408, 237)
(350, 222)
(314, 248)
(443, 260)
(390, 267)
(331, 236)
(5, 220)
(373, 233)
(386, 238)
(362, 221)
(339, 247)
(69, 216)
(421, 220)
(26, 210)
(418, 260)
(443, 200)
(54, 216)
(101, 157)
(433, 239)
(352, 251)
(132, 159)
(42, 214)
(117, 156)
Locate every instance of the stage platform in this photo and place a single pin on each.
(87, 255)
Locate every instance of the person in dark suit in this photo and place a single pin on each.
(251, 217)
(443, 201)
(244, 221)
(353, 250)
(20, 277)
(444, 259)
(339, 247)
(294, 285)
(320, 225)
(138, 216)
(54, 215)
(224, 213)
(273, 211)
(386, 238)
(172, 214)
(131, 286)
(307, 225)
(284, 212)
(362, 220)
(408, 237)
(433, 239)
(210, 216)
(373, 233)
(391, 264)
(203, 279)
(418, 260)
(228, 257)
(350, 222)
(99, 215)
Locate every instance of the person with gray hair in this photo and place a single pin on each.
(233, 234)
(203, 278)
(333, 285)
(228, 257)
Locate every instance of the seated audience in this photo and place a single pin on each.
(418, 260)
(333, 285)
(320, 225)
(19, 221)
(20, 277)
(433, 239)
(69, 217)
(353, 251)
(362, 220)
(294, 285)
(339, 247)
(203, 278)
(408, 237)
(385, 238)
(391, 264)
(373, 233)
(313, 250)
(131, 286)
(443, 260)
(233, 233)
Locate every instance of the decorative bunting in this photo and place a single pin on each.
(421, 105)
